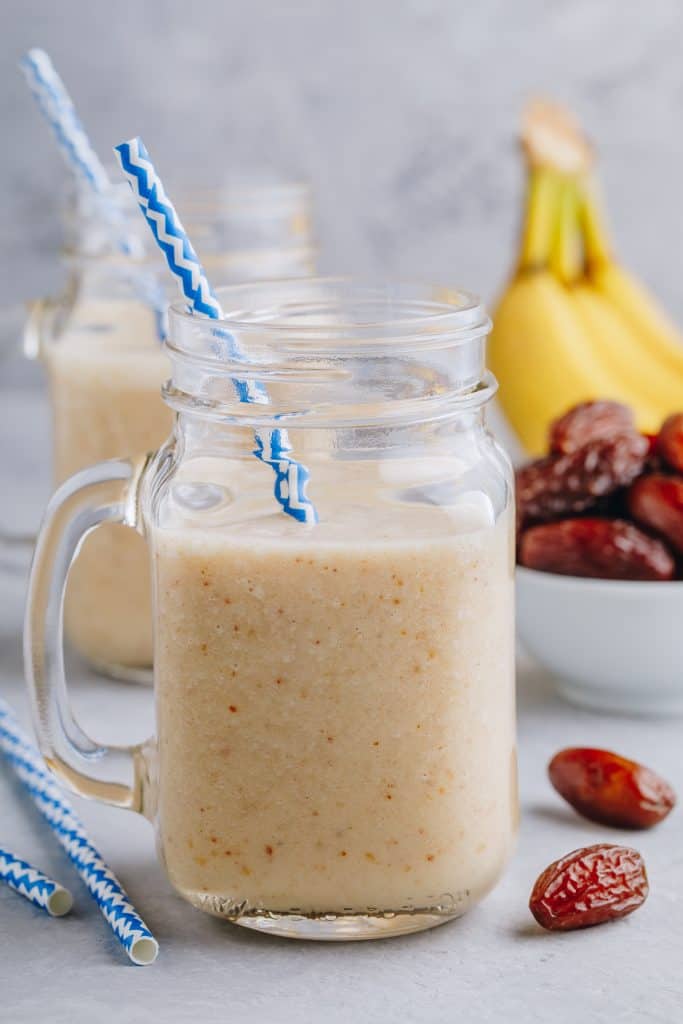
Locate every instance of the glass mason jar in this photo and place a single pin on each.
(335, 749)
(99, 342)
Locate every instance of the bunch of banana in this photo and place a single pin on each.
(572, 325)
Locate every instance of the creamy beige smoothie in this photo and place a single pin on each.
(335, 714)
(105, 374)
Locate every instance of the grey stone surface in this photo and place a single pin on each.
(401, 112)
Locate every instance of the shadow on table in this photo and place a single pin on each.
(556, 816)
(534, 687)
(225, 931)
(11, 659)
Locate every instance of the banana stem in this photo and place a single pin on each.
(540, 218)
(594, 230)
(566, 256)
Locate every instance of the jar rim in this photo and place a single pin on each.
(250, 222)
(153, 258)
(207, 197)
(292, 312)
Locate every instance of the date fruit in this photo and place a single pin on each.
(670, 441)
(560, 485)
(610, 789)
(609, 549)
(590, 421)
(657, 502)
(653, 442)
(589, 886)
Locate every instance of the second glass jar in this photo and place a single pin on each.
(99, 342)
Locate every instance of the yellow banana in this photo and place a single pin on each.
(560, 335)
(544, 358)
(660, 339)
(653, 389)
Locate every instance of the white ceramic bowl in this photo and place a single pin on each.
(610, 645)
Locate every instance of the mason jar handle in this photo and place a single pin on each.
(104, 493)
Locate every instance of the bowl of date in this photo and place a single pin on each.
(600, 560)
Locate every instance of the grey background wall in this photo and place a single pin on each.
(401, 113)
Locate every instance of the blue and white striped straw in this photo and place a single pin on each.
(36, 887)
(57, 106)
(272, 446)
(60, 113)
(104, 887)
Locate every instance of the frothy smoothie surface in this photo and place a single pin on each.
(336, 725)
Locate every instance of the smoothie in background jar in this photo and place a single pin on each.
(105, 368)
(105, 374)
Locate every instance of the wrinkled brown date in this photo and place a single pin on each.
(589, 886)
(600, 548)
(590, 421)
(670, 441)
(656, 501)
(610, 789)
(561, 485)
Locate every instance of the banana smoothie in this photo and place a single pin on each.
(335, 714)
(334, 753)
(105, 372)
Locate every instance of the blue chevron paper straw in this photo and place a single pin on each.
(36, 887)
(60, 113)
(273, 448)
(100, 880)
(57, 106)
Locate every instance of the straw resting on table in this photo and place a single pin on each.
(272, 446)
(36, 887)
(111, 898)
